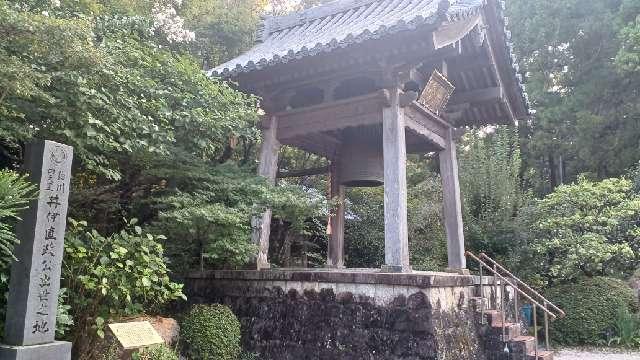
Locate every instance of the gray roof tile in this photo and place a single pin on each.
(337, 25)
(345, 22)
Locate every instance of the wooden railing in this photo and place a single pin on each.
(505, 278)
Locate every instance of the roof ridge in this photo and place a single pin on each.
(271, 24)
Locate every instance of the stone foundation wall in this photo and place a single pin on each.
(297, 316)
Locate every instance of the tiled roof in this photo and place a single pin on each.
(337, 25)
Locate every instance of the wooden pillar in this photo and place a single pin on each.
(268, 167)
(335, 251)
(452, 204)
(396, 244)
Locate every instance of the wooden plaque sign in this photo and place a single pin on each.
(437, 93)
(137, 334)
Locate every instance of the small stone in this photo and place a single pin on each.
(327, 295)
(345, 297)
(310, 294)
(292, 294)
(417, 300)
(399, 301)
(168, 329)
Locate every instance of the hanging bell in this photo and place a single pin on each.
(361, 160)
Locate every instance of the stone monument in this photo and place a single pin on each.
(35, 277)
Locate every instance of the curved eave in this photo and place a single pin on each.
(320, 48)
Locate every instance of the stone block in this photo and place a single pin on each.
(57, 350)
(35, 277)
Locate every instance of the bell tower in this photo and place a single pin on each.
(363, 83)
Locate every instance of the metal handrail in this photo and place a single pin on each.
(520, 282)
(495, 273)
(494, 269)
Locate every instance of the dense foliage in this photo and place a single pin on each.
(587, 112)
(592, 305)
(584, 229)
(109, 277)
(211, 219)
(492, 192)
(211, 332)
(148, 126)
(15, 193)
(156, 352)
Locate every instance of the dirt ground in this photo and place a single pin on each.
(595, 354)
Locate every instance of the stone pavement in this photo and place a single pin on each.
(576, 354)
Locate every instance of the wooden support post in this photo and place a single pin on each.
(452, 204)
(268, 167)
(335, 252)
(396, 244)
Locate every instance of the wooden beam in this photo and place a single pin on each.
(303, 172)
(424, 132)
(477, 96)
(474, 61)
(358, 111)
(308, 145)
(435, 59)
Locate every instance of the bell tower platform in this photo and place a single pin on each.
(348, 314)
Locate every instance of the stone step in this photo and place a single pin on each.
(542, 355)
(522, 347)
(511, 330)
(523, 344)
(493, 316)
(478, 302)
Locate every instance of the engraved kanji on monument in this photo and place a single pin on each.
(35, 278)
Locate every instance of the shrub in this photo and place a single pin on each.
(583, 229)
(108, 277)
(592, 306)
(627, 329)
(211, 332)
(159, 352)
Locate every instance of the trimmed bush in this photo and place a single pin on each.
(591, 305)
(211, 332)
(159, 352)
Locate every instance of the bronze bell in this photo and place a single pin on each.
(361, 160)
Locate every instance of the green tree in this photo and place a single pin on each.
(223, 28)
(491, 187)
(628, 58)
(211, 219)
(587, 118)
(584, 229)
